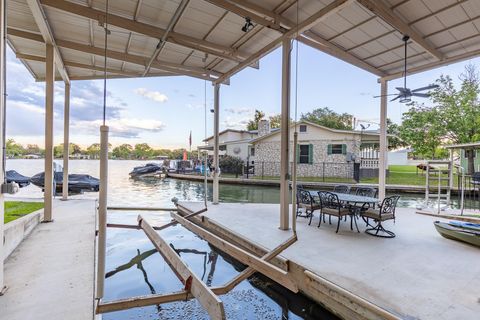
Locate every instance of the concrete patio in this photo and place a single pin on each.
(51, 273)
(417, 275)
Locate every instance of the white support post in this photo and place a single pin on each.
(2, 138)
(216, 122)
(49, 95)
(66, 141)
(102, 211)
(285, 136)
(382, 163)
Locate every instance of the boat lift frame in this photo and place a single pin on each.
(193, 286)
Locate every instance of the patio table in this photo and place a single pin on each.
(354, 200)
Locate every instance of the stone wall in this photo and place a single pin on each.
(267, 159)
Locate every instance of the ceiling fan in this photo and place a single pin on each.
(405, 94)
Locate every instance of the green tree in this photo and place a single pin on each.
(394, 129)
(275, 121)
(94, 151)
(33, 149)
(142, 151)
(123, 151)
(58, 151)
(421, 129)
(329, 118)
(74, 148)
(231, 164)
(459, 109)
(14, 149)
(253, 124)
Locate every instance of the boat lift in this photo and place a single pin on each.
(194, 287)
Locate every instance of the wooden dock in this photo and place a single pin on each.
(417, 275)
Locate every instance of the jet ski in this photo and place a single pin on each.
(77, 183)
(150, 169)
(14, 176)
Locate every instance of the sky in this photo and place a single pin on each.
(162, 111)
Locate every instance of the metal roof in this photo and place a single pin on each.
(203, 38)
(463, 145)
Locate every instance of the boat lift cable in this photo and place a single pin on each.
(105, 65)
(4, 97)
(205, 164)
(295, 138)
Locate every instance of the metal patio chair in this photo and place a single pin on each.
(386, 211)
(366, 192)
(341, 188)
(306, 202)
(329, 204)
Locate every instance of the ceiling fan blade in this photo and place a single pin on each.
(397, 97)
(432, 86)
(421, 95)
(385, 95)
(401, 89)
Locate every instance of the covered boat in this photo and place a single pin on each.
(460, 231)
(77, 183)
(14, 176)
(149, 169)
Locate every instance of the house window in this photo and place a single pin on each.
(305, 153)
(337, 149)
(252, 152)
(222, 148)
(303, 128)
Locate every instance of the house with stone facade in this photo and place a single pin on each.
(321, 151)
(235, 143)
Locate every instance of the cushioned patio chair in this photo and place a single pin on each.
(329, 204)
(341, 188)
(366, 192)
(386, 211)
(306, 202)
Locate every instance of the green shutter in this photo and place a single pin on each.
(329, 149)
(310, 153)
(344, 149)
(297, 151)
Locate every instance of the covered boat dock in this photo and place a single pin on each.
(213, 40)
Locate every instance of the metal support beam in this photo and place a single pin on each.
(161, 44)
(66, 140)
(308, 23)
(47, 34)
(216, 124)
(260, 265)
(205, 296)
(102, 211)
(382, 164)
(49, 96)
(285, 136)
(147, 29)
(387, 15)
(117, 55)
(3, 45)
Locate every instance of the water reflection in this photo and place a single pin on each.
(151, 191)
(130, 251)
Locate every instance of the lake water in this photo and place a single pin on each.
(135, 268)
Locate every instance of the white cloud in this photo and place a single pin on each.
(25, 106)
(240, 110)
(125, 127)
(235, 123)
(152, 95)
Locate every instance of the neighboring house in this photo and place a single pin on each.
(234, 143)
(321, 151)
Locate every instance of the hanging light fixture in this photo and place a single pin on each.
(248, 25)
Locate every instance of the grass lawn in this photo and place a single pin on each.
(407, 175)
(17, 209)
